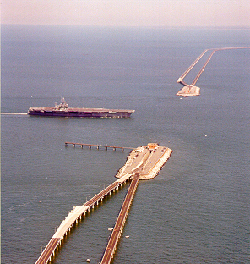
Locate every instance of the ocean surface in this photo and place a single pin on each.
(197, 210)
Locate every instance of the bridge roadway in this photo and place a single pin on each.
(180, 80)
(73, 217)
(202, 69)
(121, 219)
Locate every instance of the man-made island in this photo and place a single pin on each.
(189, 90)
(145, 160)
(192, 90)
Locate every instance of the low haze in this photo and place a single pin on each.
(215, 13)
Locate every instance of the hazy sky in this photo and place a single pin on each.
(127, 12)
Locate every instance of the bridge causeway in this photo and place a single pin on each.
(143, 162)
(180, 80)
(120, 222)
(74, 217)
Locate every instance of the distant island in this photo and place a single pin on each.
(192, 90)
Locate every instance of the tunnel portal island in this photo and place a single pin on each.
(192, 90)
(143, 162)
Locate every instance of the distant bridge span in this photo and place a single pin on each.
(180, 80)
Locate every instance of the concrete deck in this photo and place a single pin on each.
(145, 161)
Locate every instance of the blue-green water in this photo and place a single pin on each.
(195, 211)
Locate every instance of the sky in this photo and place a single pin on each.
(183, 13)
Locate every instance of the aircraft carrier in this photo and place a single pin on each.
(63, 110)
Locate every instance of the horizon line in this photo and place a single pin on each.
(134, 26)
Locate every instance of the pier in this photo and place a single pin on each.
(192, 90)
(143, 162)
(97, 146)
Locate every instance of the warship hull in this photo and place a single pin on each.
(80, 112)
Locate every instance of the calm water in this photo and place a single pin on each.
(197, 210)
